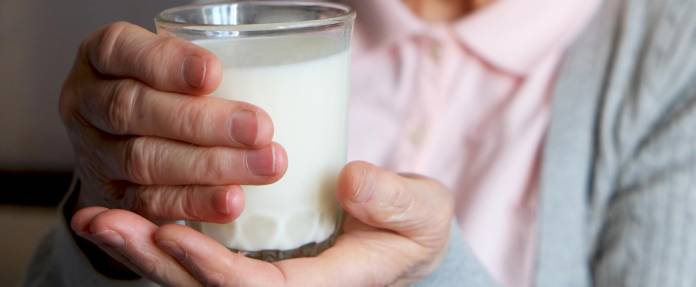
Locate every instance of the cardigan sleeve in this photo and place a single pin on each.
(459, 267)
(59, 262)
(647, 149)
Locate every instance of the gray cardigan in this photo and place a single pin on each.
(618, 185)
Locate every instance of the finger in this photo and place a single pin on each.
(157, 161)
(213, 264)
(81, 222)
(128, 238)
(219, 204)
(416, 207)
(368, 257)
(129, 107)
(351, 262)
(163, 62)
(146, 160)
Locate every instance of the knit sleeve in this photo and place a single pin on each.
(647, 148)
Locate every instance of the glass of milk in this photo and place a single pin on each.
(290, 58)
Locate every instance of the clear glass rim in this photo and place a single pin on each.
(346, 13)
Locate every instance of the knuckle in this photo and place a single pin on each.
(122, 104)
(160, 44)
(186, 203)
(214, 164)
(397, 203)
(135, 200)
(191, 119)
(65, 102)
(106, 42)
(149, 57)
(400, 199)
(136, 160)
(154, 58)
(166, 42)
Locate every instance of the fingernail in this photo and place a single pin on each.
(244, 127)
(365, 187)
(261, 162)
(223, 201)
(194, 71)
(109, 238)
(172, 248)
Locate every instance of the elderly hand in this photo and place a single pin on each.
(152, 148)
(148, 140)
(396, 231)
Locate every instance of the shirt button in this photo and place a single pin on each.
(416, 135)
(436, 51)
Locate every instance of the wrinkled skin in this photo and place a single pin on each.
(152, 147)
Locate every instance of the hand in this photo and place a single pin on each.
(148, 140)
(395, 232)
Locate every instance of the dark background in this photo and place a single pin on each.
(34, 187)
(38, 42)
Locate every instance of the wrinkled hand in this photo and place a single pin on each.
(148, 140)
(395, 233)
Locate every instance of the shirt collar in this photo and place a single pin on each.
(382, 22)
(512, 35)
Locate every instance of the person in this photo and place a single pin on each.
(559, 133)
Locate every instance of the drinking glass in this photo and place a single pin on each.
(291, 58)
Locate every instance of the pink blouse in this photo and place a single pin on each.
(467, 103)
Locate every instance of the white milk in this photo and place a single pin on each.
(306, 95)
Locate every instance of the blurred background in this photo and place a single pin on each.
(38, 41)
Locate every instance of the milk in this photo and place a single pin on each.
(302, 83)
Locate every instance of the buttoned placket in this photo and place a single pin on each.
(426, 103)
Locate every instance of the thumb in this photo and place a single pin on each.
(414, 206)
